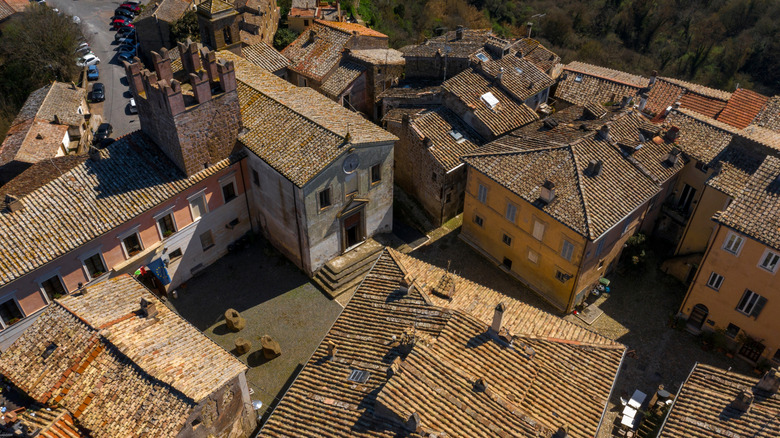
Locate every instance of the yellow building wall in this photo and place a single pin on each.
(539, 276)
(701, 227)
(587, 265)
(740, 272)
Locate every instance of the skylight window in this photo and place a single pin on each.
(519, 70)
(359, 376)
(482, 57)
(457, 136)
(490, 100)
(578, 78)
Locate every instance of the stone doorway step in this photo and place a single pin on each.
(343, 274)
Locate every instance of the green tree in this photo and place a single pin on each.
(284, 37)
(36, 48)
(186, 27)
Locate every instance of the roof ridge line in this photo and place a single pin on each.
(580, 187)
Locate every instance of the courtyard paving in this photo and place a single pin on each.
(275, 298)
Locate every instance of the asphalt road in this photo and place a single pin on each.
(95, 20)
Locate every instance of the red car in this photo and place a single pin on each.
(131, 7)
(119, 22)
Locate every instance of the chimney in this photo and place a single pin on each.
(162, 64)
(624, 101)
(672, 133)
(594, 168)
(548, 191)
(332, 350)
(57, 120)
(413, 423)
(201, 86)
(312, 36)
(498, 316)
(148, 308)
(770, 381)
(676, 105)
(406, 284)
(673, 156)
(12, 204)
(227, 76)
(500, 75)
(94, 153)
(427, 142)
(743, 401)
(642, 101)
(338, 10)
(653, 77)
(550, 123)
(604, 133)
(459, 33)
(480, 385)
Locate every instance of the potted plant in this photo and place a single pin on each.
(13, 321)
(167, 233)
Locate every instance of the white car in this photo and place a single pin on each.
(89, 59)
(76, 20)
(133, 108)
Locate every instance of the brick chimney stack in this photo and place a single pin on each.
(770, 381)
(498, 317)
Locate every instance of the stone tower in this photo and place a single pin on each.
(219, 22)
(194, 119)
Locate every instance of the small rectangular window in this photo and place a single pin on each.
(507, 240)
(769, 261)
(533, 256)
(568, 250)
(53, 287)
(10, 312)
(229, 191)
(751, 303)
(732, 331)
(507, 263)
(434, 177)
(776, 357)
(715, 280)
(562, 276)
(255, 178)
(206, 240)
(175, 254)
(733, 243)
(324, 198)
(376, 173)
(538, 230)
(578, 78)
(198, 207)
(94, 265)
(167, 225)
(132, 245)
(511, 212)
(301, 80)
(478, 220)
(482, 194)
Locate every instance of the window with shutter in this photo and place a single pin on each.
(749, 303)
(758, 307)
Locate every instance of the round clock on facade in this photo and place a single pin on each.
(351, 163)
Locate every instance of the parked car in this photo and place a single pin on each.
(118, 22)
(82, 46)
(98, 92)
(102, 133)
(124, 32)
(129, 26)
(84, 51)
(92, 73)
(134, 8)
(88, 59)
(121, 12)
(76, 20)
(127, 49)
(127, 56)
(133, 108)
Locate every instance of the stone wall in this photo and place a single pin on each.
(434, 67)
(226, 413)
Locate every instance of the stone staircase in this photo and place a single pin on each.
(344, 273)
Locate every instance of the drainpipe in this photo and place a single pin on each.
(246, 192)
(298, 226)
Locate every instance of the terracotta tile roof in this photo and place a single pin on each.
(52, 423)
(5, 10)
(265, 56)
(756, 211)
(445, 149)
(166, 10)
(82, 199)
(397, 114)
(662, 95)
(448, 44)
(451, 350)
(699, 137)
(317, 58)
(249, 39)
(703, 408)
(701, 90)
(305, 3)
(379, 56)
(32, 141)
(540, 56)
(701, 104)
(119, 373)
(733, 168)
(302, 12)
(742, 108)
(341, 78)
(470, 85)
(57, 99)
(769, 116)
(589, 205)
(352, 28)
(520, 77)
(297, 131)
(211, 7)
(413, 89)
(596, 84)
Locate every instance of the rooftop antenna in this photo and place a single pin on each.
(531, 24)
